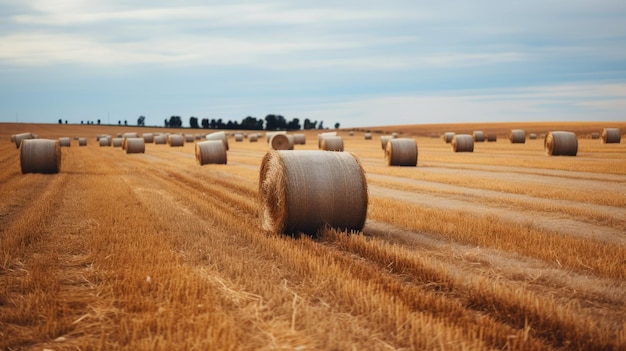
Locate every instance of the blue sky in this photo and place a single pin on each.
(359, 63)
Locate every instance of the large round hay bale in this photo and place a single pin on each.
(299, 139)
(384, 139)
(492, 138)
(176, 140)
(303, 191)
(517, 136)
(148, 138)
(82, 141)
(189, 138)
(401, 152)
(447, 137)
(106, 141)
(65, 142)
(321, 136)
(118, 142)
(219, 136)
(40, 156)
(611, 136)
(462, 143)
(238, 137)
(332, 143)
(253, 138)
(478, 136)
(135, 145)
(160, 139)
(282, 142)
(561, 144)
(367, 136)
(269, 135)
(211, 151)
(17, 138)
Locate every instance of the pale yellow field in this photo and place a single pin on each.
(502, 248)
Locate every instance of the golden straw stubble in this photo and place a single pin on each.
(306, 190)
(40, 156)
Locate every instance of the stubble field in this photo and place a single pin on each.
(502, 248)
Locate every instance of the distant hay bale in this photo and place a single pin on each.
(269, 135)
(384, 139)
(595, 135)
(17, 138)
(447, 137)
(401, 152)
(351, 133)
(332, 143)
(118, 142)
(176, 140)
(210, 151)
(321, 136)
(253, 138)
(189, 138)
(148, 138)
(491, 138)
(394, 135)
(135, 145)
(306, 190)
(198, 136)
(238, 137)
(40, 156)
(478, 136)
(82, 141)
(299, 139)
(561, 144)
(611, 136)
(219, 136)
(13, 138)
(119, 135)
(282, 142)
(131, 135)
(65, 142)
(105, 141)
(462, 143)
(160, 139)
(517, 136)
(532, 136)
(367, 136)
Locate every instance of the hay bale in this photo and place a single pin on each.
(462, 143)
(532, 136)
(65, 142)
(118, 142)
(303, 191)
(17, 138)
(189, 138)
(40, 156)
(269, 135)
(211, 151)
(176, 140)
(517, 136)
(82, 141)
(321, 136)
(351, 133)
(478, 136)
(447, 137)
(282, 142)
(238, 137)
(367, 136)
(253, 138)
(332, 143)
(13, 138)
(492, 138)
(135, 145)
(299, 139)
(130, 135)
(384, 139)
(611, 136)
(595, 135)
(105, 141)
(219, 136)
(148, 138)
(394, 135)
(401, 152)
(160, 139)
(561, 144)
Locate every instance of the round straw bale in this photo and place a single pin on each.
(367, 136)
(492, 138)
(303, 191)
(532, 136)
(13, 138)
(65, 142)
(462, 143)
(148, 138)
(561, 144)
(611, 136)
(478, 136)
(160, 139)
(105, 141)
(394, 135)
(299, 139)
(332, 143)
(117, 142)
(351, 133)
(282, 142)
(211, 151)
(175, 140)
(189, 138)
(22, 136)
(517, 136)
(384, 139)
(238, 137)
(198, 136)
(135, 145)
(40, 156)
(269, 135)
(321, 136)
(595, 135)
(401, 152)
(131, 135)
(219, 136)
(82, 141)
(253, 138)
(447, 137)
(119, 135)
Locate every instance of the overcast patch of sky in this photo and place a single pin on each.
(314, 58)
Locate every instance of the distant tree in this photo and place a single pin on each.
(205, 123)
(119, 123)
(309, 125)
(176, 122)
(125, 122)
(65, 121)
(98, 122)
(337, 125)
(294, 124)
(213, 123)
(321, 125)
(81, 122)
(220, 124)
(141, 121)
(167, 123)
(193, 122)
(271, 122)
(250, 123)
(60, 121)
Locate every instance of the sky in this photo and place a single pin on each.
(357, 63)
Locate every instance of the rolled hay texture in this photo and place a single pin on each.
(532, 136)
(176, 140)
(219, 136)
(384, 139)
(367, 136)
(105, 141)
(306, 190)
(321, 136)
(492, 138)
(211, 151)
(462, 143)
(40, 156)
(299, 139)
(447, 137)
(148, 138)
(135, 145)
(269, 135)
(17, 138)
(611, 136)
(478, 136)
(401, 152)
(160, 139)
(282, 142)
(253, 138)
(65, 142)
(117, 142)
(595, 135)
(517, 136)
(238, 137)
(332, 143)
(561, 144)
(82, 141)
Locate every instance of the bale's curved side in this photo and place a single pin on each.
(148, 138)
(611, 136)
(238, 137)
(17, 138)
(176, 140)
(517, 136)
(303, 191)
(367, 136)
(219, 136)
(13, 138)
(595, 135)
(282, 142)
(321, 136)
(532, 136)
(299, 139)
(447, 137)
(478, 136)
(117, 142)
(40, 156)
(332, 143)
(401, 152)
(189, 138)
(160, 139)
(65, 142)
(135, 145)
(561, 144)
(253, 138)
(130, 135)
(211, 151)
(82, 141)
(106, 141)
(462, 143)
(384, 139)
(491, 138)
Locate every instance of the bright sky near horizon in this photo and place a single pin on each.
(359, 63)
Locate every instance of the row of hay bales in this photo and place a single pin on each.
(518, 136)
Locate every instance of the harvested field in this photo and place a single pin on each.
(501, 248)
